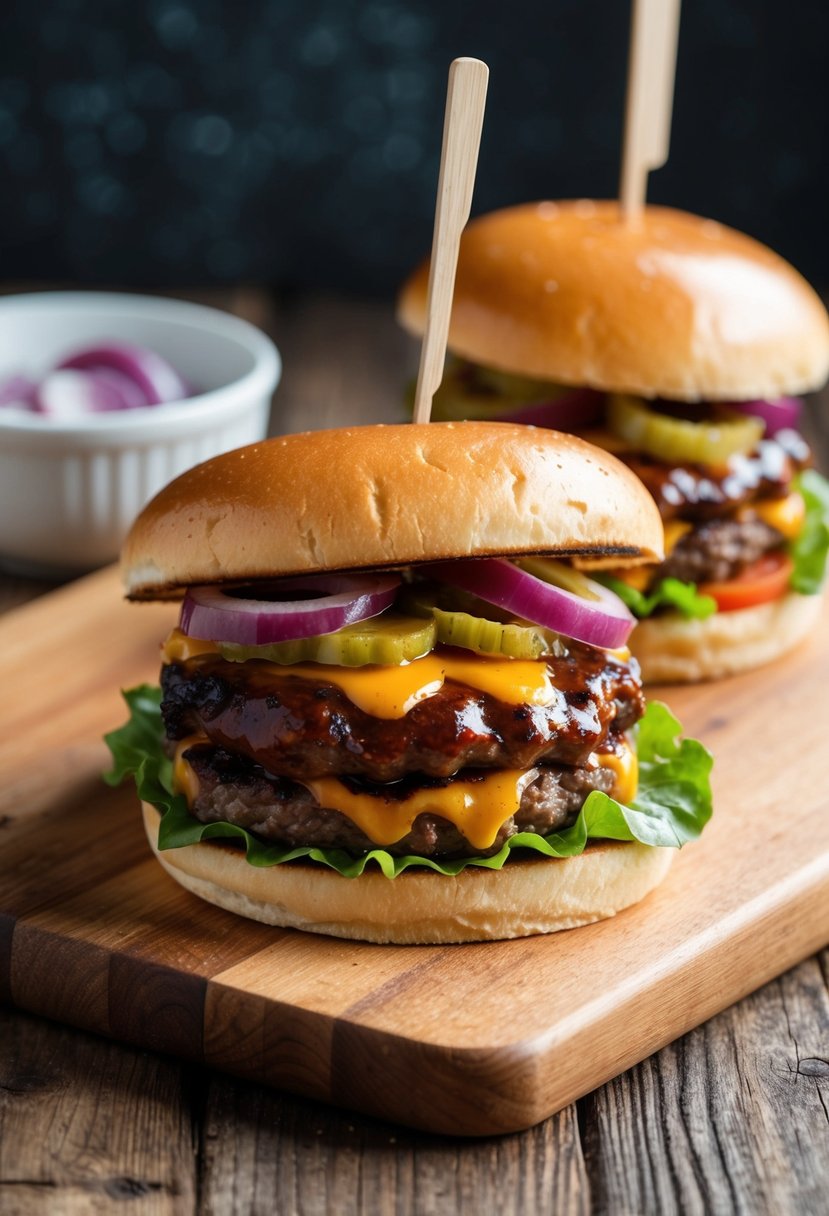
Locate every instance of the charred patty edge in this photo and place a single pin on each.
(284, 812)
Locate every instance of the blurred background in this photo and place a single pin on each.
(172, 143)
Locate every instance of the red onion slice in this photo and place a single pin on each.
(226, 614)
(131, 395)
(158, 381)
(18, 392)
(603, 621)
(570, 412)
(778, 413)
(66, 395)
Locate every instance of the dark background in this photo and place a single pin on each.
(295, 142)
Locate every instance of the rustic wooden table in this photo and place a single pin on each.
(733, 1117)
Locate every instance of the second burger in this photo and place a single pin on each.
(680, 345)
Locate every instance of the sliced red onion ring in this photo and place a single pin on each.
(18, 392)
(778, 413)
(131, 394)
(158, 381)
(66, 395)
(570, 412)
(225, 614)
(604, 622)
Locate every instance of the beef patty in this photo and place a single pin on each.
(283, 812)
(305, 728)
(720, 549)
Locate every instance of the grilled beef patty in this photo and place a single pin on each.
(720, 549)
(304, 728)
(283, 812)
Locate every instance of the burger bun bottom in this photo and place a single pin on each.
(675, 650)
(526, 897)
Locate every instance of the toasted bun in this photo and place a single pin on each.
(674, 650)
(525, 898)
(667, 305)
(386, 496)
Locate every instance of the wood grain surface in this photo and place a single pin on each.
(475, 1040)
(730, 1118)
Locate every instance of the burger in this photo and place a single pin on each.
(681, 346)
(392, 708)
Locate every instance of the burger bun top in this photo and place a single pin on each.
(665, 305)
(386, 496)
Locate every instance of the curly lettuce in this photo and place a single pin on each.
(810, 548)
(672, 805)
(668, 593)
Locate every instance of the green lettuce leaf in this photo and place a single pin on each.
(672, 805)
(668, 593)
(810, 549)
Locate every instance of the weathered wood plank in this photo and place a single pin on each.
(734, 1117)
(87, 1126)
(265, 1153)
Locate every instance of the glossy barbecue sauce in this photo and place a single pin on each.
(700, 491)
(304, 726)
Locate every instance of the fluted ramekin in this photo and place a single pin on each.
(70, 490)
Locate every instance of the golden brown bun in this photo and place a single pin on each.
(670, 305)
(525, 898)
(674, 650)
(386, 496)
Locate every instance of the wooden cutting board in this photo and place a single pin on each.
(474, 1039)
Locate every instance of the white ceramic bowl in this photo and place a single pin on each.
(70, 490)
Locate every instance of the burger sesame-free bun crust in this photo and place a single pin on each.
(386, 496)
(526, 897)
(673, 650)
(668, 304)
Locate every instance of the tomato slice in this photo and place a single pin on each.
(764, 580)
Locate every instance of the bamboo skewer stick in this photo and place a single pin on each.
(650, 94)
(465, 99)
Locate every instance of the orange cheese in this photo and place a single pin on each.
(784, 514)
(178, 647)
(185, 780)
(390, 692)
(675, 529)
(625, 765)
(476, 808)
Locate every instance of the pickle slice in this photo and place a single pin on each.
(389, 639)
(457, 616)
(515, 640)
(710, 441)
(558, 574)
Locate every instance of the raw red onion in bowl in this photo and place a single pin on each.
(68, 394)
(154, 376)
(603, 621)
(18, 392)
(98, 379)
(778, 413)
(228, 614)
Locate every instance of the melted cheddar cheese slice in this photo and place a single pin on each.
(390, 692)
(785, 514)
(476, 808)
(625, 765)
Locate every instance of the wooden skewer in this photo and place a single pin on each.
(465, 99)
(651, 72)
